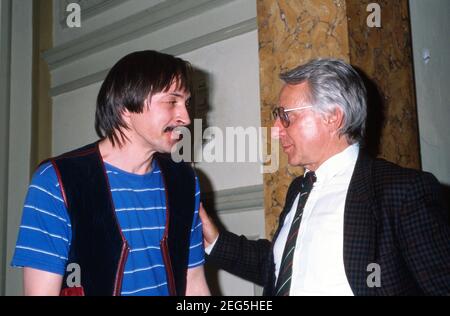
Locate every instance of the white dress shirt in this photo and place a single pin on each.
(318, 267)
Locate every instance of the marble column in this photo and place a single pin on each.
(385, 55)
(291, 32)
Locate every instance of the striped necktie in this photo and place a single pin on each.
(283, 285)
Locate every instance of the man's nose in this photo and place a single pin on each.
(183, 116)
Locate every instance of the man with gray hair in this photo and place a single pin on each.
(351, 225)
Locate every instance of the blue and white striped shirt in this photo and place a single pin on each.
(45, 232)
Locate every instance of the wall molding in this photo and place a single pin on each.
(181, 48)
(236, 200)
(129, 28)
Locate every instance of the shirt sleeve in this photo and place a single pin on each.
(211, 246)
(45, 232)
(196, 249)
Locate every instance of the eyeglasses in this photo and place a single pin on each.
(280, 112)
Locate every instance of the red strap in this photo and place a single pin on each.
(72, 291)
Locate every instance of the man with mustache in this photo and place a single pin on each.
(352, 225)
(119, 211)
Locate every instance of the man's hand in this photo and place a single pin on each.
(210, 231)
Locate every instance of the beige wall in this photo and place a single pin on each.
(232, 102)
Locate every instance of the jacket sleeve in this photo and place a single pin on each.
(424, 234)
(251, 260)
(248, 259)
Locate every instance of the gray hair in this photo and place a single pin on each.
(333, 82)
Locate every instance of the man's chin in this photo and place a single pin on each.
(166, 148)
(172, 147)
(293, 161)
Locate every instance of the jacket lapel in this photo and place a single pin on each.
(360, 227)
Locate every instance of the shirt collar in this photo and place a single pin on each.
(337, 164)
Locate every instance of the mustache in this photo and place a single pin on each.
(169, 129)
(177, 130)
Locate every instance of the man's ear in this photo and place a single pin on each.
(335, 119)
(125, 112)
(126, 115)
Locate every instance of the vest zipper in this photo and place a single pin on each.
(168, 266)
(119, 273)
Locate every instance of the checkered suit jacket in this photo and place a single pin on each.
(393, 217)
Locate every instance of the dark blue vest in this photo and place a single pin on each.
(98, 245)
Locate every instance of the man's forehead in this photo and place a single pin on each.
(297, 87)
(177, 93)
(180, 94)
(294, 91)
